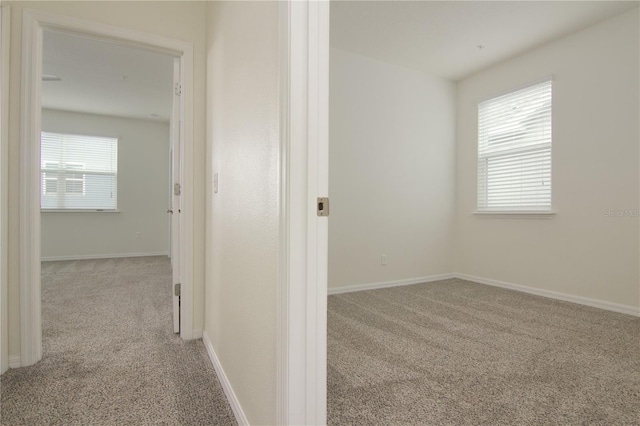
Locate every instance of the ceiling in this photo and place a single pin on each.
(442, 37)
(437, 37)
(106, 78)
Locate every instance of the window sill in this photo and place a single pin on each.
(515, 214)
(78, 211)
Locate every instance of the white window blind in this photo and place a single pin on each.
(78, 172)
(514, 151)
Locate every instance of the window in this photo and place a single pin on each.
(54, 174)
(78, 172)
(49, 177)
(514, 151)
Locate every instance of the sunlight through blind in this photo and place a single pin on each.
(514, 150)
(78, 172)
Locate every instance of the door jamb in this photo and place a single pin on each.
(5, 14)
(34, 22)
(302, 282)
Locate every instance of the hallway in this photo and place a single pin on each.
(110, 356)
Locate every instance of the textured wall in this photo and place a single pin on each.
(391, 172)
(587, 249)
(242, 218)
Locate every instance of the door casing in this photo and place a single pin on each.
(5, 16)
(34, 22)
(303, 245)
(176, 197)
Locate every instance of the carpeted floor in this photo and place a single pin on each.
(459, 353)
(110, 357)
(444, 353)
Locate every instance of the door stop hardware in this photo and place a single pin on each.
(323, 206)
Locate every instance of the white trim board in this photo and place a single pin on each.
(15, 361)
(102, 256)
(388, 284)
(594, 303)
(5, 31)
(301, 336)
(34, 23)
(241, 418)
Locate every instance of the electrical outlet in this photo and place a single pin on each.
(383, 260)
(138, 235)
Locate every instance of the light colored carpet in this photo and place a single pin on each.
(110, 356)
(456, 353)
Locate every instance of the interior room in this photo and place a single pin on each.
(481, 164)
(112, 77)
(99, 89)
(106, 272)
(477, 341)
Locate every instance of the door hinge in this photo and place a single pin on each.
(178, 89)
(176, 289)
(323, 206)
(177, 189)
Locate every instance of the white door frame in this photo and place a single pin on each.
(302, 293)
(34, 22)
(5, 14)
(175, 206)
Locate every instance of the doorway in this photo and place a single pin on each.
(36, 24)
(108, 117)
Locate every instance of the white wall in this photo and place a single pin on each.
(391, 172)
(183, 20)
(143, 192)
(242, 218)
(583, 250)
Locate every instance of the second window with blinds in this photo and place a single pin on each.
(514, 151)
(79, 172)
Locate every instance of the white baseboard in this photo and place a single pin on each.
(15, 361)
(387, 284)
(241, 418)
(102, 256)
(197, 333)
(595, 303)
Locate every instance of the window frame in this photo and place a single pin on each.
(62, 174)
(522, 211)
